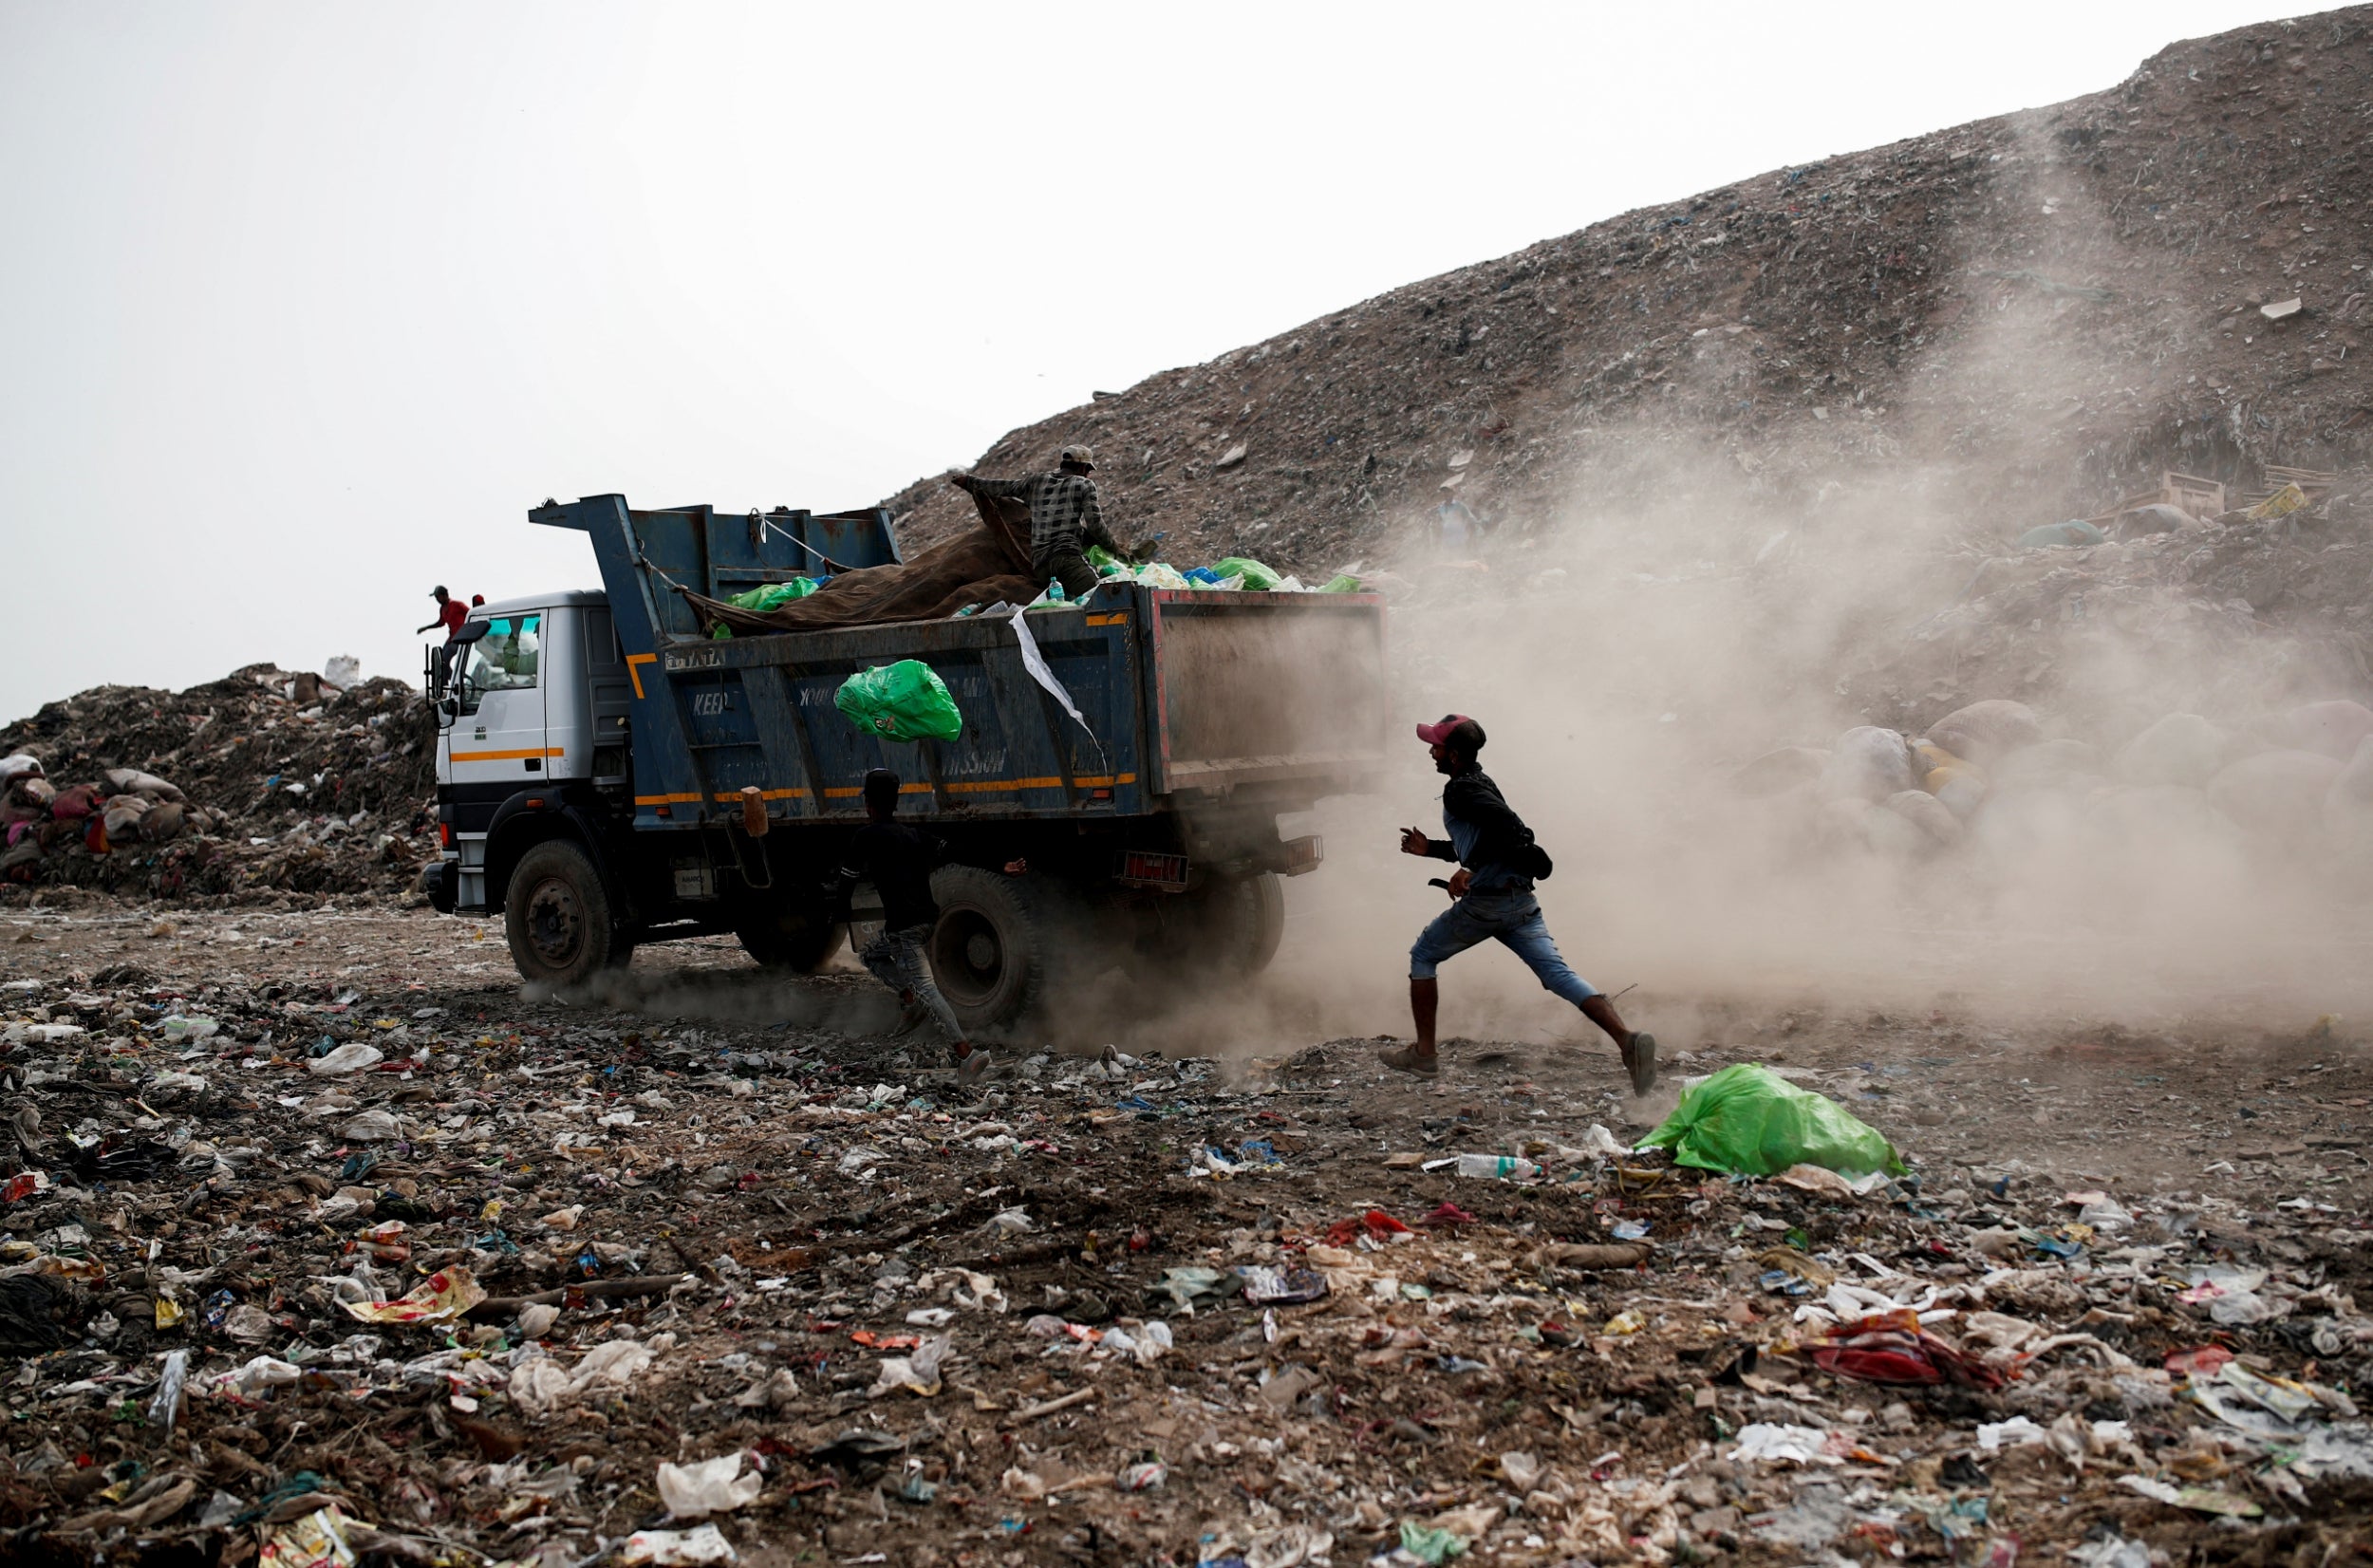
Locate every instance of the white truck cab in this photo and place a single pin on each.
(530, 689)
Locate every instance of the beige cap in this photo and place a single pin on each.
(1084, 456)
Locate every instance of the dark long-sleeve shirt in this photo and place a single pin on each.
(1064, 510)
(898, 860)
(1486, 835)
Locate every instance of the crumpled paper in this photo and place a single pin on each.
(318, 1540)
(442, 1297)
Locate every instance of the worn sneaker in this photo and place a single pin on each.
(971, 1064)
(910, 1016)
(1641, 1059)
(1404, 1059)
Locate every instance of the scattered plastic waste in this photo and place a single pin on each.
(678, 1548)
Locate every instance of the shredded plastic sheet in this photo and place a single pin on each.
(1891, 1347)
(442, 1297)
(1747, 1119)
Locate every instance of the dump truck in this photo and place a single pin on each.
(612, 774)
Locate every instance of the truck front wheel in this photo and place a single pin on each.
(557, 917)
(994, 947)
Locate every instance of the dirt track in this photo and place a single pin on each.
(1392, 1400)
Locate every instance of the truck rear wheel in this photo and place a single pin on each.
(556, 916)
(779, 940)
(994, 947)
(1233, 927)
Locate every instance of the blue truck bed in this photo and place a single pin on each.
(625, 779)
(1185, 693)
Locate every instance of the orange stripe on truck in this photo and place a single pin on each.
(508, 757)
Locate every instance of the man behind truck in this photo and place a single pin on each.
(1065, 517)
(898, 858)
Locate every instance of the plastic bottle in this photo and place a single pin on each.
(1497, 1165)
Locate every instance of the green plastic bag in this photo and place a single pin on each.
(902, 701)
(1106, 563)
(1344, 584)
(759, 600)
(1749, 1119)
(1258, 578)
(1429, 1544)
(2073, 534)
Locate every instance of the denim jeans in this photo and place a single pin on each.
(1514, 920)
(896, 960)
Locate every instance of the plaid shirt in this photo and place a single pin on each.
(1063, 509)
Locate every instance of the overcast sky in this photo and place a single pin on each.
(302, 307)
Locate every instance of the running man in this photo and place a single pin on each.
(1493, 886)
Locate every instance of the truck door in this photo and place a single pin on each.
(499, 737)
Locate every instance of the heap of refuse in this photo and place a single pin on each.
(351, 1269)
(1996, 776)
(264, 784)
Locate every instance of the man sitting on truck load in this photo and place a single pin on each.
(898, 859)
(1493, 885)
(1065, 519)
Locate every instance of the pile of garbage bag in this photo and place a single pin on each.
(1235, 574)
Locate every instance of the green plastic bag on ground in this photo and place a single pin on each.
(759, 600)
(1258, 578)
(904, 701)
(1749, 1119)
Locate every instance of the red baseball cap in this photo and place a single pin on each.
(1439, 734)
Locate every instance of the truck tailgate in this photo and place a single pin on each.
(1253, 687)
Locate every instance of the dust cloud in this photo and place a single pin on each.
(1686, 612)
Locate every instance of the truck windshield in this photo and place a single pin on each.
(503, 659)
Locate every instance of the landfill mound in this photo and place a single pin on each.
(265, 785)
(2010, 323)
(399, 1266)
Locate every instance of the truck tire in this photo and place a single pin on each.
(1230, 927)
(557, 917)
(994, 947)
(801, 943)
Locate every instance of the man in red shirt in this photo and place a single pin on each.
(451, 612)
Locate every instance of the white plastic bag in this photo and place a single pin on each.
(709, 1486)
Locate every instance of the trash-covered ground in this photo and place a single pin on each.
(321, 1240)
